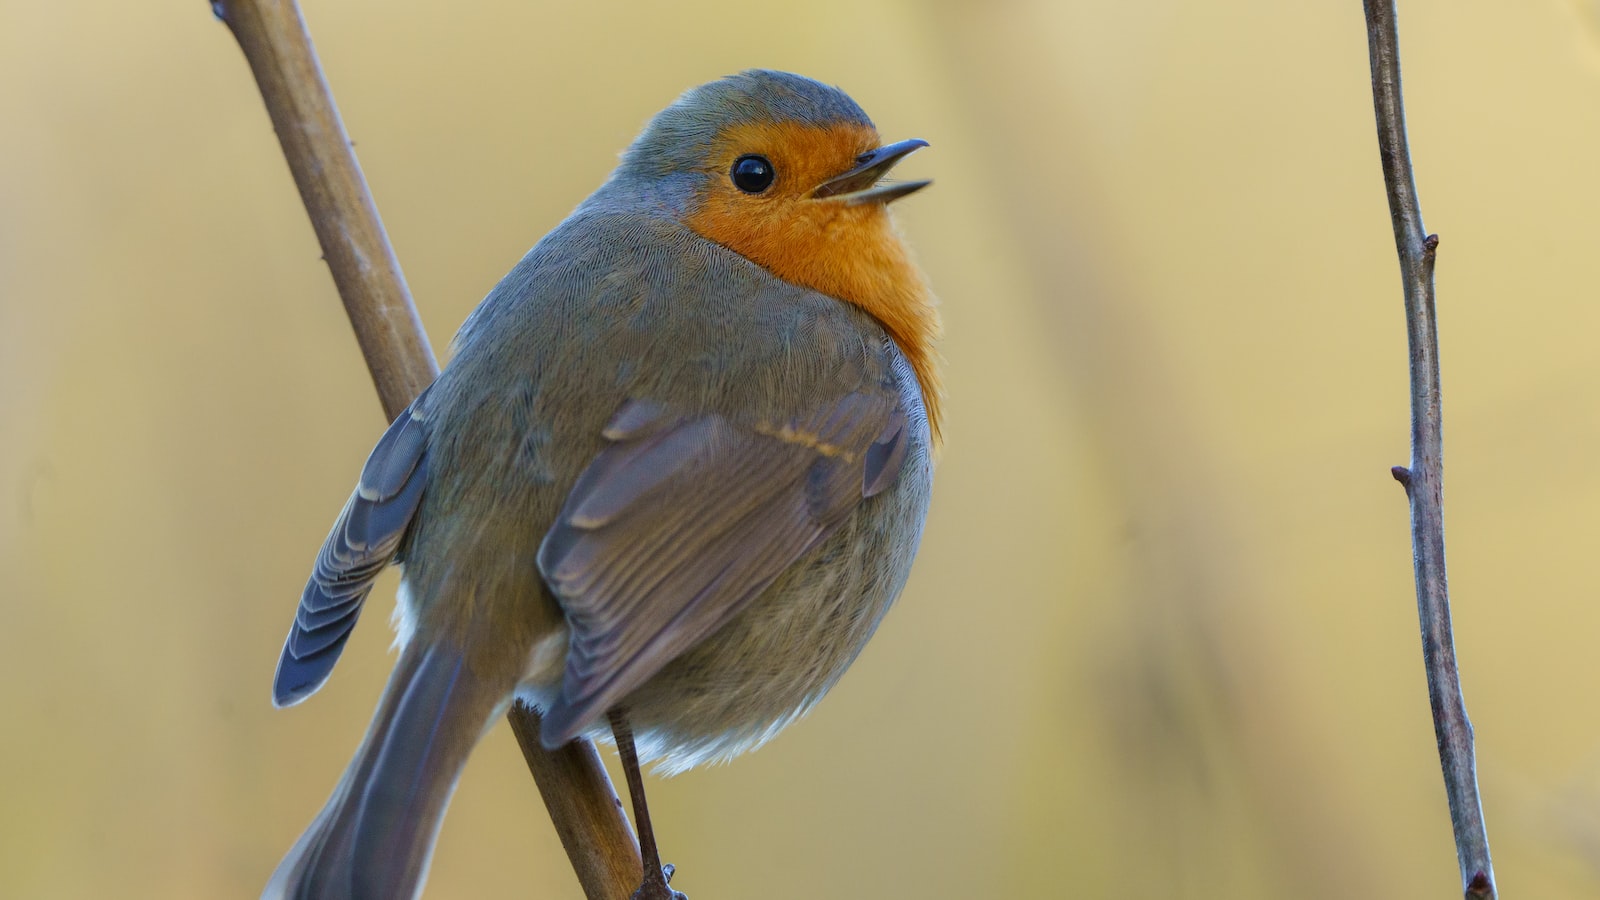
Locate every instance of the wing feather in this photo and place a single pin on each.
(362, 543)
(680, 521)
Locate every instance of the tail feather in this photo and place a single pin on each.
(374, 838)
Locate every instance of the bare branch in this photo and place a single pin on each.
(278, 48)
(1424, 479)
(584, 807)
(589, 821)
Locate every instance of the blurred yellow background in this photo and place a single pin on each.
(1161, 641)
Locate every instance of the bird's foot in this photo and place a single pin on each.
(657, 888)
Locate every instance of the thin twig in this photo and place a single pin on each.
(1424, 480)
(583, 806)
(278, 48)
(590, 822)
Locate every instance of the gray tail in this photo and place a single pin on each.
(375, 837)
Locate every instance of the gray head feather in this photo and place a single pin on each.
(677, 140)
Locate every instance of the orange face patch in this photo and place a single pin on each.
(848, 252)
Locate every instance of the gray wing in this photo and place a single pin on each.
(363, 541)
(680, 521)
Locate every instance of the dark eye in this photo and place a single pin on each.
(752, 174)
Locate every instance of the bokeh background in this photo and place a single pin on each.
(1161, 640)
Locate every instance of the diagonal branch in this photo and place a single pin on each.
(583, 806)
(1424, 480)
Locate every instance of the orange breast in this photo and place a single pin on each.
(852, 253)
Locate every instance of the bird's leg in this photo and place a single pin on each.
(656, 875)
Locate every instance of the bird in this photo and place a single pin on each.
(673, 476)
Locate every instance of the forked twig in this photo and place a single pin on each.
(1424, 480)
(583, 806)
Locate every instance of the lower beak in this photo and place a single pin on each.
(860, 185)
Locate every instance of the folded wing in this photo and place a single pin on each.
(680, 521)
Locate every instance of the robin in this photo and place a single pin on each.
(671, 480)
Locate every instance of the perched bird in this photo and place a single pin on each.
(673, 476)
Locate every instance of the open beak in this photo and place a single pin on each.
(860, 185)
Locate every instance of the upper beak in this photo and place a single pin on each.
(860, 184)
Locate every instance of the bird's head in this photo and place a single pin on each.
(789, 173)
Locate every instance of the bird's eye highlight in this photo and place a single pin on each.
(753, 174)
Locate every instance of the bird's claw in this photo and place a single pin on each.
(658, 890)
